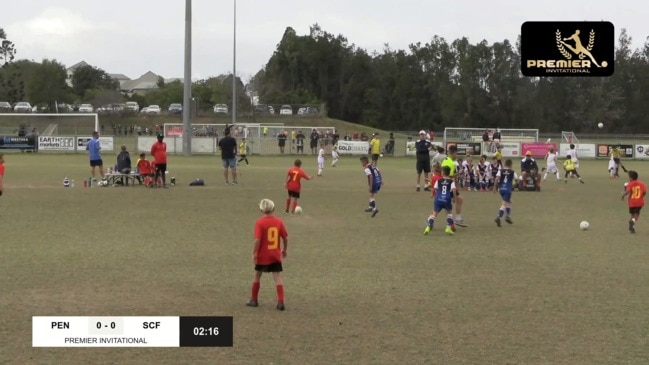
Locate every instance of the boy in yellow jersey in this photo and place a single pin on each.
(449, 162)
(375, 149)
(569, 166)
(499, 157)
(243, 148)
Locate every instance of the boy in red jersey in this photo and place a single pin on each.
(636, 190)
(2, 173)
(267, 253)
(159, 153)
(144, 169)
(437, 168)
(293, 185)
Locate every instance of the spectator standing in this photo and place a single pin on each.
(228, 147)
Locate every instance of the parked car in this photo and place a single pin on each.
(301, 111)
(175, 108)
(86, 108)
(286, 110)
(262, 109)
(5, 107)
(132, 105)
(153, 109)
(23, 107)
(311, 110)
(271, 110)
(221, 109)
(144, 110)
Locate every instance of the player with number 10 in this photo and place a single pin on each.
(267, 253)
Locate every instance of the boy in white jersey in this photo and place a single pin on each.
(321, 160)
(572, 152)
(334, 155)
(551, 162)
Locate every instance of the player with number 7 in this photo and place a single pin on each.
(293, 177)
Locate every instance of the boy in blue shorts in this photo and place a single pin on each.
(374, 180)
(503, 184)
(444, 192)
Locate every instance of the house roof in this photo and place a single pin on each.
(77, 65)
(119, 77)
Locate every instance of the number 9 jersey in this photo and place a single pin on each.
(269, 230)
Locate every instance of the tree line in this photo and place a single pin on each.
(431, 86)
(452, 84)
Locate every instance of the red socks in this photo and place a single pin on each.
(280, 293)
(294, 205)
(255, 290)
(288, 203)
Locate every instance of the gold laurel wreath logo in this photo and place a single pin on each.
(591, 43)
(563, 51)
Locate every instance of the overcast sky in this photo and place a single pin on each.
(136, 36)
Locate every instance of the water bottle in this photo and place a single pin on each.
(72, 183)
(85, 183)
(66, 182)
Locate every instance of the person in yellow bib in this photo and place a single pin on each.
(569, 167)
(375, 149)
(449, 162)
(616, 154)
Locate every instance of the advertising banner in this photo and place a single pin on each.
(55, 143)
(583, 150)
(603, 150)
(538, 149)
(106, 143)
(509, 149)
(466, 149)
(353, 147)
(642, 151)
(20, 143)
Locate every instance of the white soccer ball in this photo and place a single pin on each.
(584, 225)
(600, 125)
(298, 210)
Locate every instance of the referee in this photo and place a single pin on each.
(422, 147)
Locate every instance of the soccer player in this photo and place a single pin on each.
(636, 190)
(572, 152)
(267, 253)
(616, 154)
(334, 155)
(482, 173)
(94, 153)
(293, 185)
(422, 151)
(551, 164)
(2, 173)
(159, 153)
(444, 192)
(144, 169)
(504, 182)
(498, 156)
(459, 200)
(569, 166)
(243, 147)
(375, 149)
(374, 180)
(321, 159)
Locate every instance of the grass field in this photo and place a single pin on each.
(359, 290)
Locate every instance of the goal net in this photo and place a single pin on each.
(49, 124)
(569, 137)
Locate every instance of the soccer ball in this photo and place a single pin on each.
(298, 210)
(600, 125)
(584, 225)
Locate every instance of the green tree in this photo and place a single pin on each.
(48, 84)
(7, 49)
(89, 78)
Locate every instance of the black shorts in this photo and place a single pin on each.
(423, 166)
(160, 168)
(98, 163)
(274, 267)
(634, 210)
(300, 148)
(616, 160)
(375, 157)
(294, 194)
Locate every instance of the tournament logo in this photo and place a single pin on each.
(577, 49)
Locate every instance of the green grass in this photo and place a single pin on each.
(358, 290)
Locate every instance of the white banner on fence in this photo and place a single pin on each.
(509, 149)
(642, 151)
(353, 147)
(583, 150)
(106, 143)
(175, 144)
(55, 143)
(410, 148)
